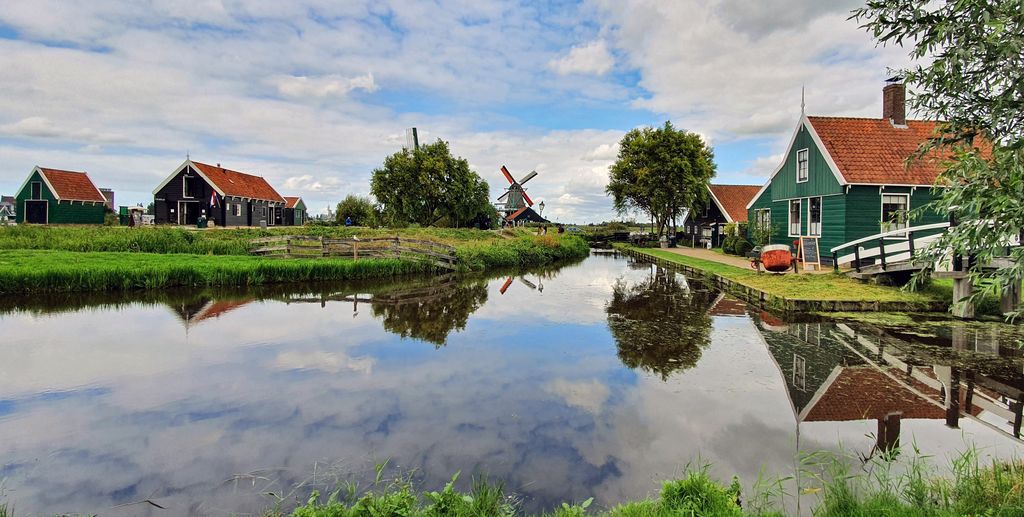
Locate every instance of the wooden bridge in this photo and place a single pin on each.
(306, 246)
(896, 252)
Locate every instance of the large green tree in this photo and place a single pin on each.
(969, 73)
(661, 172)
(359, 209)
(430, 187)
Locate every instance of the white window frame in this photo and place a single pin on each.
(789, 218)
(806, 165)
(31, 191)
(763, 217)
(238, 210)
(184, 187)
(821, 216)
(881, 214)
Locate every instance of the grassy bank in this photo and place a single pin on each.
(810, 287)
(55, 268)
(830, 488)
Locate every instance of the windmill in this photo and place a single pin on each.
(515, 203)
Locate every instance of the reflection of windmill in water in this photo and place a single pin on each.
(515, 205)
(539, 286)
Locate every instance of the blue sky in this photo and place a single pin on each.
(314, 94)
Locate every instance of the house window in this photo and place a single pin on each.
(794, 218)
(799, 372)
(763, 217)
(894, 212)
(238, 209)
(186, 187)
(801, 166)
(263, 212)
(37, 190)
(814, 216)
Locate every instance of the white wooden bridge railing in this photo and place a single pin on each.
(887, 252)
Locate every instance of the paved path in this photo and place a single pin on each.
(707, 254)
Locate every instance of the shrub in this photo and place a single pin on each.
(698, 494)
(728, 243)
(742, 246)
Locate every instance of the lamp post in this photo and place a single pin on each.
(541, 206)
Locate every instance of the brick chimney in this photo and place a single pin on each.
(894, 103)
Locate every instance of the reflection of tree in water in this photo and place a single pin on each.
(660, 325)
(430, 313)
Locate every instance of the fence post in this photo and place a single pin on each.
(287, 246)
(856, 257)
(910, 242)
(835, 261)
(355, 250)
(881, 251)
(324, 247)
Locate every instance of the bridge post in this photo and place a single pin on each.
(856, 258)
(835, 261)
(1009, 298)
(881, 251)
(910, 242)
(963, 288)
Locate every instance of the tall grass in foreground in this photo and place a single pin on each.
(886, 486)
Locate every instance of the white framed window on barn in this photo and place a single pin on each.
(814, 216)
(802, 165)
(894, 212)
(794, 218)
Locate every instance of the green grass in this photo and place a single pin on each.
(45, 270)
(884, 486)
(817, 287)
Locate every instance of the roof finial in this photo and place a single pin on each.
(802, 100)
(188, 157)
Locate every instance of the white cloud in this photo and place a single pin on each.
(325, 86)
(592, 58)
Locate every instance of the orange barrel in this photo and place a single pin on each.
(776, 257)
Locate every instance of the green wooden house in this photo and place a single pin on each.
(843, 179)
(53, 196)
(295, 211)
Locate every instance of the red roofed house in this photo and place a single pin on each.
(52, 196)
(843, 179)
(226, 197)
(295, 211)
(727, 204)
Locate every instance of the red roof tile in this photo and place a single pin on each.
(72, 186)
(239, 184)
(733, 199)
(868, 150)
(291, 201)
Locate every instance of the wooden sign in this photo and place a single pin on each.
(809, 251)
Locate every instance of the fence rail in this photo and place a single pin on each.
(305, 246)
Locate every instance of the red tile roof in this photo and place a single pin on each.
(733, 199)
(72, 186)
(869, 150)
(291, 201)
(239, 184)
(216, 309)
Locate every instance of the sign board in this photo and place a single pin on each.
(809, 251)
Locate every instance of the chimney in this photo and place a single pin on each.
(894, 100)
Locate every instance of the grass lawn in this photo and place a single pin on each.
(819, 287)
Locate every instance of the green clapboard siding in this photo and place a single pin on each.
(820, 180)
(833, 223)
(60, 212)
(864, 209)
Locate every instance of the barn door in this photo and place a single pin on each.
(36, 212)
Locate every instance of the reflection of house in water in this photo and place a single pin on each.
(728, 306)
(202, 309)
(835, 374)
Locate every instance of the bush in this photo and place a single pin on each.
(728, 243)
(742, 246)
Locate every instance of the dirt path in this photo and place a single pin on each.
(706, 254)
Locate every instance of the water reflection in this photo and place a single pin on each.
(660, 324)
(846, 372)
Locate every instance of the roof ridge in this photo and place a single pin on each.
(225, 169)
(878, 119)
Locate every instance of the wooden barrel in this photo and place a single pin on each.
(776, 258)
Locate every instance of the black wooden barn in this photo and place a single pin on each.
(225, 197)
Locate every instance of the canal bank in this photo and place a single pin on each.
(796, 294)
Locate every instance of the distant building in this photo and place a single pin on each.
(53, 196)
(226, 197)
(295, 211)
(108, 194)
(8, 209)
(726, 204)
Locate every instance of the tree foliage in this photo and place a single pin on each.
(969, 73)
(661, 172)
(430, 187)
(359, 208)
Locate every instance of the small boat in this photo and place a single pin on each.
(776, 258)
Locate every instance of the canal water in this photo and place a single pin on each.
(597, 379)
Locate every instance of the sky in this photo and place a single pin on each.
(313, 94)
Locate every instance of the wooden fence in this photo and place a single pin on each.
(305, 246)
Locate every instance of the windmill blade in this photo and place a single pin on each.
(527, 198)
(504, 196)
(528, 283)
(508, 175)
(528, 177)
(505, 287)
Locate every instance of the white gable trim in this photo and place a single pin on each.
(187, 163)
(721, 208)
(45, 180)
(804, 122)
